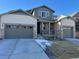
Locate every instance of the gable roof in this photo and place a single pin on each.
(62, 17)
(13, 11)
(19, 10)
(31, 10)
(74, 14)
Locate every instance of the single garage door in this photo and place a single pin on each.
(18, 31)
(68, 32)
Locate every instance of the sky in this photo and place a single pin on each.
(61, 7)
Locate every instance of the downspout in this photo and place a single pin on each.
(0, 27)
(61, 29)
(74, 31)
(0, 22)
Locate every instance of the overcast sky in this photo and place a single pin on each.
(61, 7)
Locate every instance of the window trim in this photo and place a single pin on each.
(40, 13)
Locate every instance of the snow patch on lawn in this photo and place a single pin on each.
(75, 58)
(74, 41)
(44, 43)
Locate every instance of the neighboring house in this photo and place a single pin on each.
(31, 23)
(65, 27)
(76, 17)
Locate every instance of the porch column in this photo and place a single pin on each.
(41, 27)
(49, 28)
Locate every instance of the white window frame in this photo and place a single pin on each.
(40, 13)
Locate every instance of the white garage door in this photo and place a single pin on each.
(68, 32)
(18, 31)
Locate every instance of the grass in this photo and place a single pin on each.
(64, 50)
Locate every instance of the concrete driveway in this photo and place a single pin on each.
(21, 49)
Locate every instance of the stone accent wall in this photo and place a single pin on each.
(1, 33)
(77, 34)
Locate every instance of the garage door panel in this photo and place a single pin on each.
(18, 32)
(26, 33)
(68, 32)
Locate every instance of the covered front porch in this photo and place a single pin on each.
(46, 28)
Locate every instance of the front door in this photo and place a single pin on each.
(38, 27)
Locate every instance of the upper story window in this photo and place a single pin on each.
(43, 14)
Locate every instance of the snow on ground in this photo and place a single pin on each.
(44, 43)
(75, 58)
(75, 41)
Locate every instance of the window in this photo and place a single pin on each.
(43, 14)
(13, 26)
(23, 27)
(18, 26)
(77, 28)
(8, 26)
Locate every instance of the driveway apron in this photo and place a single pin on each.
(21, 49)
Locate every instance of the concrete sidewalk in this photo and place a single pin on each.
(21, 49)
(75, 41)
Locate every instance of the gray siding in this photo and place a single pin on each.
(45, 9)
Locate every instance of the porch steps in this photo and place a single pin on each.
(40, 37)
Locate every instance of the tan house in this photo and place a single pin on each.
(31, 23)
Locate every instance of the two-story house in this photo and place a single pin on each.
(39, 21)
(45, 20)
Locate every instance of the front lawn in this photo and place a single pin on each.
(64, 50)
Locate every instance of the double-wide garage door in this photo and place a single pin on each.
(18, 31)
(68, 32)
